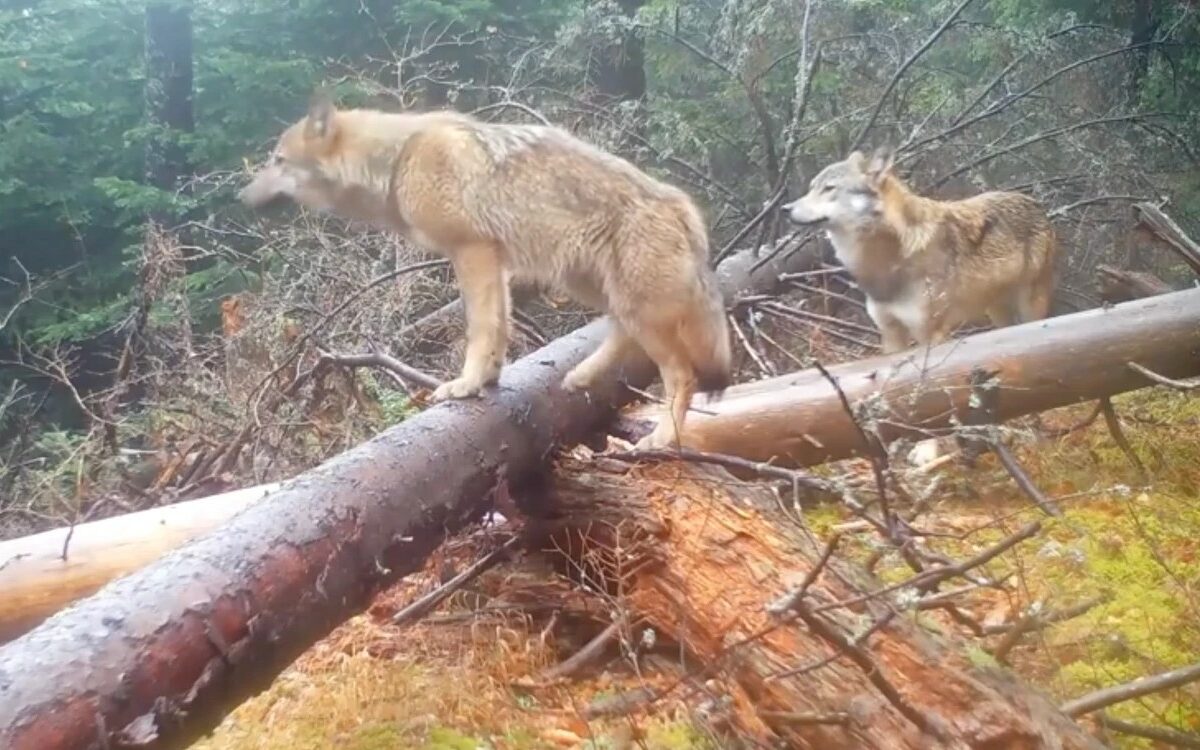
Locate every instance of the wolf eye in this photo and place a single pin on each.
(277, 159)
(827, 188)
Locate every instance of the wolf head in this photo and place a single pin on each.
(844, 194)
(294, 171)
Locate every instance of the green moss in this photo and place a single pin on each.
(444, 738)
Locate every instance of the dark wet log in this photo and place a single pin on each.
(1115, 285)
(40, 574)
(157, 658)
(701, 559)
(797, 419)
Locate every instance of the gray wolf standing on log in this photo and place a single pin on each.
(927, 266)
(528, 203)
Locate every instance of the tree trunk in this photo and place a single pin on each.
(798, 419)
(159, 657)
(618, 70)
(41, 573)
(168, 90)
(702, 557)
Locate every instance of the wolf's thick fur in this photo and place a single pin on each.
(529, 203)
(927, 266)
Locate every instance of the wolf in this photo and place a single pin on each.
(521, 203)
(927, 266)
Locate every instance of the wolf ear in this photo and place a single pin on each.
(881, 163)
(320, 114)
(857, 159)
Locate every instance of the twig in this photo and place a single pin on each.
(418, 608)
(730, 462)
(1017, 472)
(789, 601)
(1131, 690)
(581, 658)
(324, 320)
(1052, 616)
(858, 141)
(866, 663)
(384, 360)
(927, 579)
(1179, 385)
(805, 718)
(1114, 427)
(1061, 210)
(1165, 735)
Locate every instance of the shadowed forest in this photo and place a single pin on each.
(162, 343)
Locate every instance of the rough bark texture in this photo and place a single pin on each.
(40, 574)
(697, 556)
(157, 658)
(798, 419)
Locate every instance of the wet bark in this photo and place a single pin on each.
(798, 419)
(1115, 285)
(693, 554)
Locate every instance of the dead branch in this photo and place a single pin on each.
(1162, 226)
(1113, 422)
(1131, 690)
(908, 63)
(1179, 385)
(1165, 735)
(418, 608)
(384, 360)
(1116, 285)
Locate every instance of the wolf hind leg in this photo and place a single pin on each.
(610, 352)
(660, 338)
(484, 285)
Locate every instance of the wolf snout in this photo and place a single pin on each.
(798, 213)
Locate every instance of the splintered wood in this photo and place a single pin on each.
(698, 557)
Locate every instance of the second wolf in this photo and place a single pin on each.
(529, 203)
(927, 266)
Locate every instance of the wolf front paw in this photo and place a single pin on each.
(576, 380)
(462, 387)
(663, 437)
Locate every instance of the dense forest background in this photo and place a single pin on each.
(157, 339)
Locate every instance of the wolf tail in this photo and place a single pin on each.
(705, 333)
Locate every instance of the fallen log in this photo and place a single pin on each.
(700, 558)
(1157, 224)
(41, 573)
(157, 658)
(1115, 285)
(798, 419)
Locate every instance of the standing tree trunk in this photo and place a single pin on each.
(618, 72)
(168, 92)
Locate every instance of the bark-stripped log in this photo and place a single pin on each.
(36, 580)
(697, 556)
(797, 419)
(157, 658)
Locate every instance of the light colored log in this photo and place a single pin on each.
(36, 580)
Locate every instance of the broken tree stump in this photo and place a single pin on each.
(695, 555)
(798, 419)
(1115, 285)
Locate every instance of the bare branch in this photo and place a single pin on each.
(862, 134)
(1142, 686)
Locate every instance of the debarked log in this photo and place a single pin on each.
(159, 657)
(699, 558)
(798, 419)
(42, 572)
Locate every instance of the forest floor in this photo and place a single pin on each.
(459, 680)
